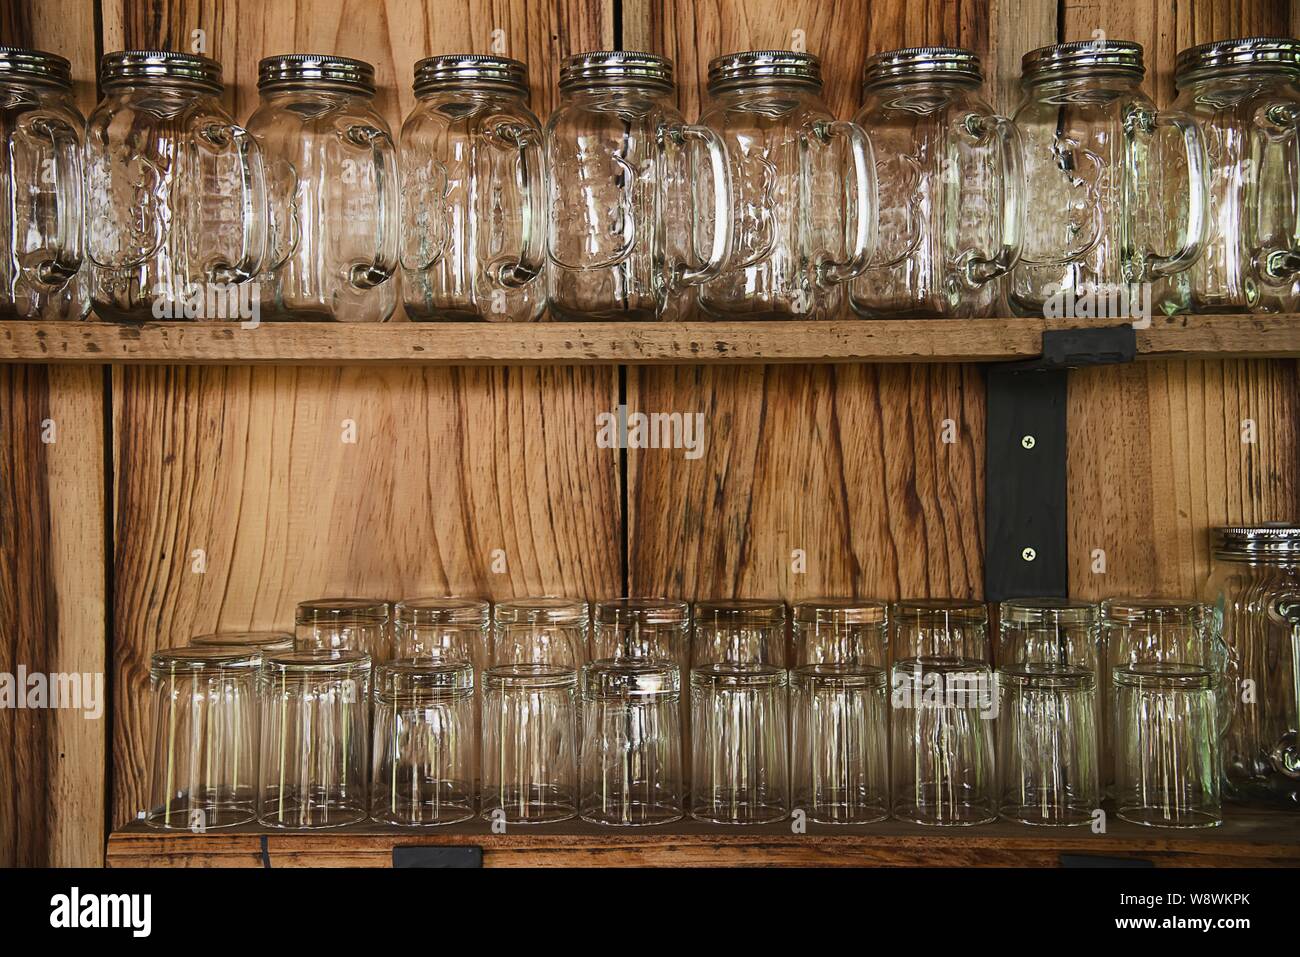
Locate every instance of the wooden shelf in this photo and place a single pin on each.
(408, 343)
(1248, 838)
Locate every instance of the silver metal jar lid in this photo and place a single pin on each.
(1275, 541)
(1086, 57)
(784, 67)
(35, 66)
(187, 69)
(1239, 55)
(458, 71)
(603, 68)
(922, 63)
(292, 71)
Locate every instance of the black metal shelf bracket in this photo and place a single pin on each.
(1026, 505)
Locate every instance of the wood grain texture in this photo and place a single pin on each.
(1254, 839)
(52, 551)
(845, 463)
(1156, 450)
(249, 464)
(654, 343)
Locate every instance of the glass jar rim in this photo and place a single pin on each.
(735, 674)
(35, 66)
(267, 641)
(315, 71)
(125, 67)
(840, 611)
(342, 610)
(739, 611)
(630, 678)
(530, 675)
(956, 611)
(646, 611)
(442, 611)
(453, 72)
(839, 674)
(1123, 611)
(1048, 611)
(547, 610)
(314, 660)
(203, 658)
(405, 677)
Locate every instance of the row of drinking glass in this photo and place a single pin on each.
(953, 726)
(619, 209)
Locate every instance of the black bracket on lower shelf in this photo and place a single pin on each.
(459, 855)
(1025, 500)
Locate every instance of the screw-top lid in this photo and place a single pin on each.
(185, 69)
(735, 70)
(267, 642)
(1086, 57)
(616, 68)
(441, 611)
(35, 66)
(630, 678)
(951, 64)
(347, 610)
(1241, 55)
(467, 71)
(1267, 541)
(315, 71)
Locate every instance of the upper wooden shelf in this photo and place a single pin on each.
(554, 343)
(1256, 837)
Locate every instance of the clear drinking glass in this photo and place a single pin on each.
(331, 175)
(204, 772)
(1244, 96)
(739, 630)
(840, 724)
(950, 187)
(446, 629)
(261, 642)
(740, 766)
(42, 247)
(802, 182)
(549, 631)
(631, 742)
(423, 771)
(530, 746)
(1048, 730)
(1254, 596)
(627, 199)
(1167, 668)
(339, 624)
(654, 628)
(176, 200)
(841, 631)
(943, 702)
(1109, 182)
(473, 193)
(315, 739)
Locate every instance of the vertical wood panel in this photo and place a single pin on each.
(1156, 455)
(52, 534)
(248, 464)
(847, 463)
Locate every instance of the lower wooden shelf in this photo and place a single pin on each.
(1247, 838)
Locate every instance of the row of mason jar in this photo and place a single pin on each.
(768, 208)
(1029, 743)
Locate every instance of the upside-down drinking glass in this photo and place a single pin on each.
(339, 624)
(549, 631)
(204, 772)
(848, 631)
(746, 630)
(261, 642)
(424, 743)
(315, 739)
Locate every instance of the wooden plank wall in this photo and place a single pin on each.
(53, 603)
(845, 462)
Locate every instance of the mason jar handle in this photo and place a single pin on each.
(720, 168)
(980, 270)
(64, 254)
(252, 191)
(1151, 265)
(1285, 754)
(1284, 263)
(367, 275)
(829, 270)
(532, 187)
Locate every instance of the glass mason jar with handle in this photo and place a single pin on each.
(627, 200)
(791, 165)
(1245, 96)
(1111, 183)
(176, 201)
(41, 182)
(331, 171)
(1254, 595)
(473, 193)
(950, 188)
